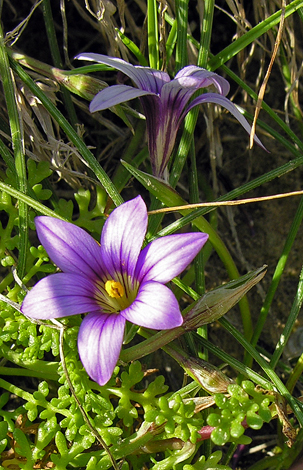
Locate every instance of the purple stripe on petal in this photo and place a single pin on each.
(167, 257)
(99, 343)
(175, 96)
(113, 95)
(122, 237)
(155, 307)
(226, 103)
(60, 295)
(71, 248)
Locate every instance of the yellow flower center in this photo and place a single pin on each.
(116, 295)
(114, 289)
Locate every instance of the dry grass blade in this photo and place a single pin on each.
(267, 75)
(226, 203)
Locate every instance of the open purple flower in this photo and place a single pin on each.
(165, 102)
(114, 281)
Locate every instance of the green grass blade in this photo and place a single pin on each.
(152, 34)
(132, 47)
(28, 201)
(181, 46)
(18, 148)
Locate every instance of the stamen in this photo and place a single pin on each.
(114, 289)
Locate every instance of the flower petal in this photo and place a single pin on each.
(203, 78)
(99, 343)
(122, 237)
(155, 307)
(165, 258)
(71, 248)
(226, 103)
(60, 295)
(115, 94)
(144, 77)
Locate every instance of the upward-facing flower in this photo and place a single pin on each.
(113, 281)
(165, 102)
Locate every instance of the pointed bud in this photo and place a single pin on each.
(209, 377)
(216, 303)
(81, 84)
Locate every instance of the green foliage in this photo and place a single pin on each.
(178, 418)
(212, 463)
(245, 407)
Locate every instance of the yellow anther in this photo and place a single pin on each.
(114, 289)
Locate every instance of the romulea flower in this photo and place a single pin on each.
(165, 102)
(113, 282)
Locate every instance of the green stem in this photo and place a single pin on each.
(13, 371)
(152, 33)
(7, 157)
(6, 281)
(29, 201)
(29, 398)
(182, 22)
(49, 369)
(295, 375)
(207, 23)
(152, 344)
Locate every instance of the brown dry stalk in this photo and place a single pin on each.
(226, 203)
(267, 75)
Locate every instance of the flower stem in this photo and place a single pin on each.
(153, 343)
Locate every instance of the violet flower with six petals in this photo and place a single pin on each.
(165, 102)
(112, 282)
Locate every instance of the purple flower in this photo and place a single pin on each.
(165, 102)
(114, 281)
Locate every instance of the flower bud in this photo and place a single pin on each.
(216, 303)
(81, 84)
(210, 377)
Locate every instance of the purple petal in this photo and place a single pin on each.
(122, 237)
(144, 77)
(155, 307)
(152, 80)
(167, 257)
(226, 103)
(71, 248)
(60, 295)
(115, 94)
(204, 78)
(99, 343)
